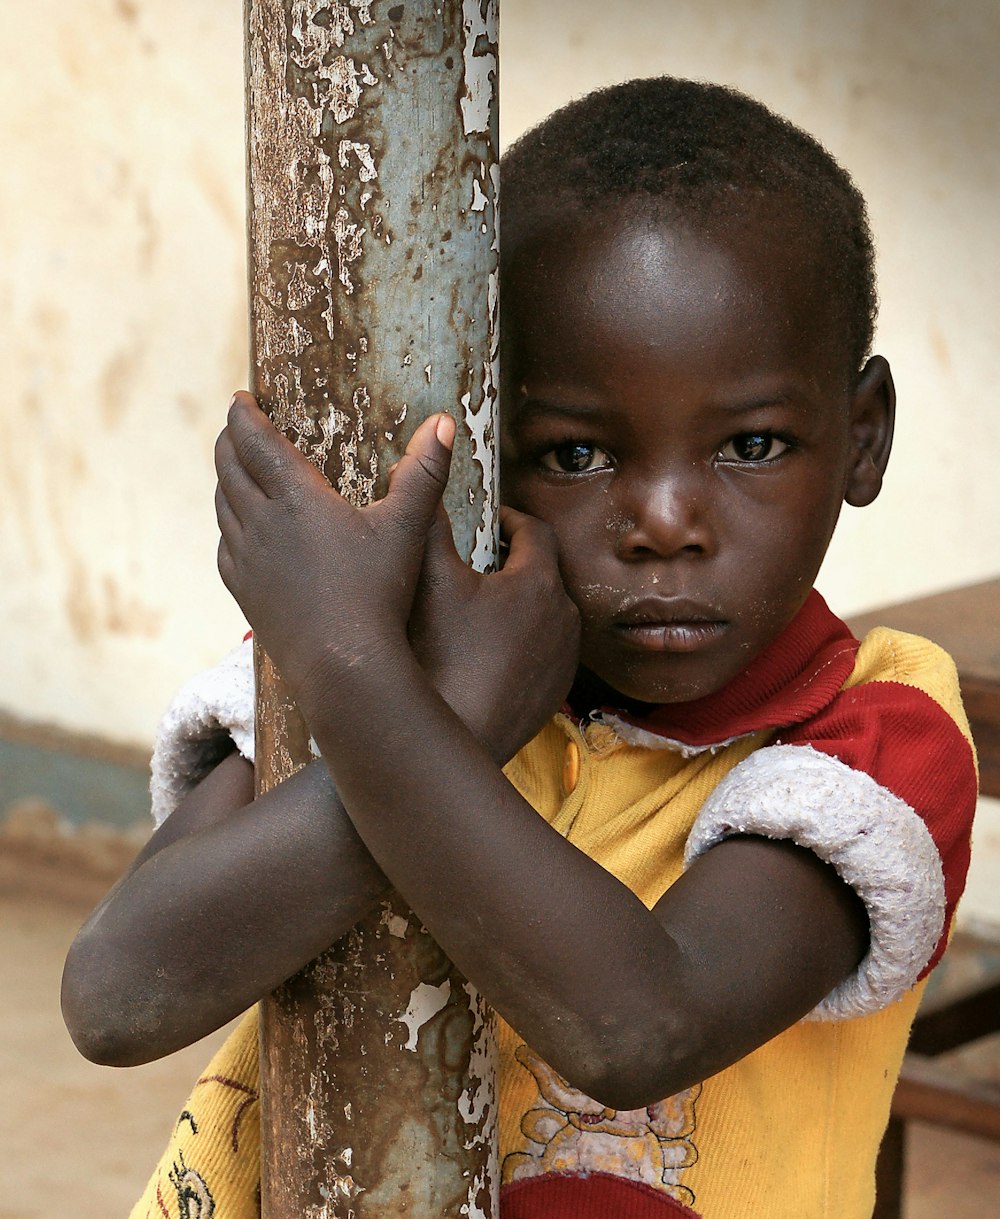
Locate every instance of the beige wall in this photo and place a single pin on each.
(122, 301)
(121, 337)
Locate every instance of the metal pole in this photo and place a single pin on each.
(372, 184)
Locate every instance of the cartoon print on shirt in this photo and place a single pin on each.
(571, 1133)
(194, 1201)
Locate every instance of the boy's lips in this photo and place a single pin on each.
(668, 624)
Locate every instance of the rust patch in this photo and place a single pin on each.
(149, 237)
(216, 190)
(103, 608)
(412, 1097)
(939, 346)
(189, 407)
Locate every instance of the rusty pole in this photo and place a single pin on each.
(372, 189)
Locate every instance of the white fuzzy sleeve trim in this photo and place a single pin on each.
(212, 708)
(875, 841)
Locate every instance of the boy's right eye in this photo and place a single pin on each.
(574, 458)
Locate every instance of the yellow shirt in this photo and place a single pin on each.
(791, 1130)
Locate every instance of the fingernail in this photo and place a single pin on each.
(446, 430)
(232, 400)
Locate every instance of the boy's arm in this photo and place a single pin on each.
(232, 895)
(753, 936)
(229, 897)
(750, 940)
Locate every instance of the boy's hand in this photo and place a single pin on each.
(326, 586)
(502, 648)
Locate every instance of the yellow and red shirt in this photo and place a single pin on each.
(858, 751)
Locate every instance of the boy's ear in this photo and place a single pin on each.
(873, 413)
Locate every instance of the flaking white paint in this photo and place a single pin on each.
(425, 1003)
(479, 22)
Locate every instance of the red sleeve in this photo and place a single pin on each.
(913, 748)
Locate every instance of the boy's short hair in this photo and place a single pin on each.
(701, 152)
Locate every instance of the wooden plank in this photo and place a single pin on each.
(928, 1092)
(946, 1026)
(965, 621)
(890, 1171)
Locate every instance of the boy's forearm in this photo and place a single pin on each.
(561, 948)
(568, 955)
(205, 926)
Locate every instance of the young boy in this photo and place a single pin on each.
(717, 874)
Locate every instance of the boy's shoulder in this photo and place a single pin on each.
(910, 663)
(898, 717)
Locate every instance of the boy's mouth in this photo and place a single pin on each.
(669, 624)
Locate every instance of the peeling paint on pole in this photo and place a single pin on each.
(378, 1068)
(372, 188)
(372, 201)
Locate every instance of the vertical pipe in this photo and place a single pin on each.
(372, 190)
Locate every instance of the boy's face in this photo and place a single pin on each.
(676, 410)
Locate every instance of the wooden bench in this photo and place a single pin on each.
(965, 621)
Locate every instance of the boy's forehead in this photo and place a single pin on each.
(761, 234)
(645, 279)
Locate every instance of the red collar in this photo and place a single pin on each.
(793, 679)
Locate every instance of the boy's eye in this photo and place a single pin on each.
(752, 447)
(575, 458)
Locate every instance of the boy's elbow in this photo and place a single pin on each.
(90, 1032)
(619, 1088)
(97, 1041)
(97, 1022)
(619, 1072)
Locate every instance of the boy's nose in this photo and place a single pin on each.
(664, 519)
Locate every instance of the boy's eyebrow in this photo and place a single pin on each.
(785, 397)
(788, 397)
(541, 406)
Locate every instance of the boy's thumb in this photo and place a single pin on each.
(421, 475)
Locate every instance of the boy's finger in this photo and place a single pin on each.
(239, 488)
(421, 474)
(526, 538)
(225, 564)
(269, 458)
(440, 556)
(229, 522)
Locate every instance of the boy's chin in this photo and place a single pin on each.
(640, 692)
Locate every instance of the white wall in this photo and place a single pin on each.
(122, 328)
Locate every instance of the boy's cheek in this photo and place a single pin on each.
(511, 474)
(515, 493)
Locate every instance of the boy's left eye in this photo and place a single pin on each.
(573, 458)
(752, 447)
